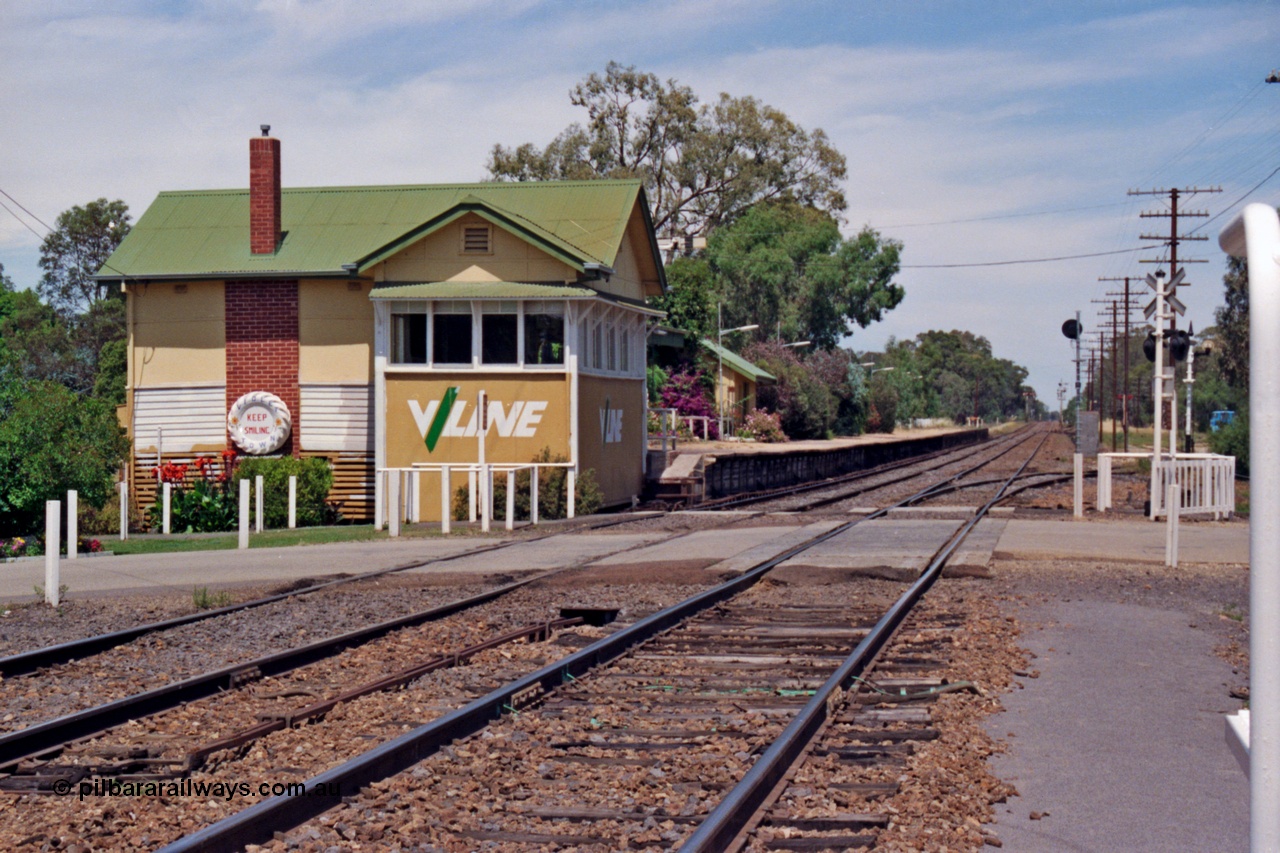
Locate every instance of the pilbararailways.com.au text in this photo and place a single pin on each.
(192, 788)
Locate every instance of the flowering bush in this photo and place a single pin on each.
(687, 394)
(762, 425)
(15, 547)
(204, 505)
(89, 546)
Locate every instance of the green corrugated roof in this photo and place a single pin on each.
(480, 290)
(206, 232)
(737, 362)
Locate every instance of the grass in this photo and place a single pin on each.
(158, 544)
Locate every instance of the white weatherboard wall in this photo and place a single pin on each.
(191, 416)
(337, 417)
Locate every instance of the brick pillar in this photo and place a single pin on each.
(262, 346)
(264, 195)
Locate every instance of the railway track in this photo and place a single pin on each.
(767, 678)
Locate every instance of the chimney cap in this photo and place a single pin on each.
(266, 129)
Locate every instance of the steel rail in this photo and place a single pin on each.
(788, 491)
(24, 663)
(937, 488)
(46, 737)
(722, 827)
(260, 822)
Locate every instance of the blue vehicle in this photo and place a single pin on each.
(1220, 419)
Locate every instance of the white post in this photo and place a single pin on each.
(511, 500)
(1103, 483)
(486, 497)
(293, 501)
(571, 486)
(73, 523)
(244, 515)
(52, 543)
(446, 505)
(394, 509)
(1255, 233)
(1173, 508)
(417, 496)
(533, 495)
(124, 510)
(167, 490)
(257, 510)
(377, 498)
(471, 496)
(1078, 462)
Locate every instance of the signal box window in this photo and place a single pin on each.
(451, 331)
(543, 333)
(499, 327)
(409, 338)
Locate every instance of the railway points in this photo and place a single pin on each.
(638, 569)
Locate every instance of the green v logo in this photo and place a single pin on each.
(441, 418)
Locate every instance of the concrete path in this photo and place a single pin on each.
(1136, 541)
(1119, 742)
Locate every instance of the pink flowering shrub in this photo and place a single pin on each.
(686, 393)
(763, 425)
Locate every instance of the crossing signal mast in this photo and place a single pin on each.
(1166, 308)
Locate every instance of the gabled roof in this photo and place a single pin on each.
(205, 233)
(737, 363)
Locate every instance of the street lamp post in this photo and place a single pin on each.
(720, 333)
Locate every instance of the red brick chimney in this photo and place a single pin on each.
(264, 193)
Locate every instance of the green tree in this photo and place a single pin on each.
(805, 404)
(702, 165)
(6, 283)
(52, 440)
(76, 249)
(1232, 319)
(690, 300)
(787, 269)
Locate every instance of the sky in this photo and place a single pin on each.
(977, 133)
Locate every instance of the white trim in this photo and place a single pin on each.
(381, 347)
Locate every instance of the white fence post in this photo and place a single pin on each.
(486, 497)
(244, 515)
(124, 510)
(446, 505)
(472, 496)
(52, 544)
(416, 479)
(378, 498)
(533, 495)
(571, 486)
(1173, 508)
(293, 501)
(73, 523)
(257, 511)
(511, 500)
(1103, 484)
(164, 513)
(394, 510)
(1078, 464)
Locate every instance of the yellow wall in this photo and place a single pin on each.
(439, 257)
(178, 338)
(618, 465)
(405, 435)
(335, 332)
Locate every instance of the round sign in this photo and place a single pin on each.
(259, 422)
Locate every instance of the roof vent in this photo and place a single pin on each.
(476, 240)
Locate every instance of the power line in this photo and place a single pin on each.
(29, 213)
(1025, 260)
(1001, 216)
(20, 219)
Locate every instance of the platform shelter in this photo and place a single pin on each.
(374, 316)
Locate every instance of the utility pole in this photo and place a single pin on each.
(1129, 305)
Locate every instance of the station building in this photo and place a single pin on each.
(361, 324)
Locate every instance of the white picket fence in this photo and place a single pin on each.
(1206, 481)
(398, 492)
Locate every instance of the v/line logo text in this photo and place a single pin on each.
(519, 421)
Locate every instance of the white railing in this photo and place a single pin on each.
(690, 420)
(1205, 481)
(398, 492)
(666, 434)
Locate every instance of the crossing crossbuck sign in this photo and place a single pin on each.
(1170, 289)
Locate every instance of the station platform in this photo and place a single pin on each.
(897, 546)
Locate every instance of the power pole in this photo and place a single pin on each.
(1129, 305)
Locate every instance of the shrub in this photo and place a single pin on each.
(760, 425)
(686, 392)
(204, 503)
(552, 491)
(1233, 440)
(315, 478)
